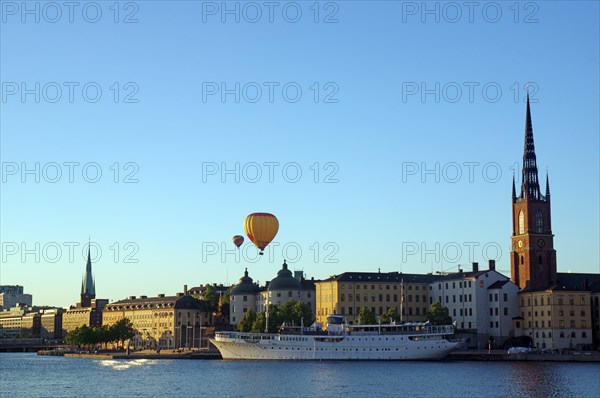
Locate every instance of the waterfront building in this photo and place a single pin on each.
(286, 286)
(19, 322)
(482, 303)
(346, 294)
(51, 323)
(24, 321)
(557, 310)
(78, 316)
(88, 311)
(12, 295)
(242, 298)
(168, 322)
(561, 316)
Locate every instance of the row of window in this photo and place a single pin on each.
(561, 324)
(277, 294)
(461, 298)
(560, 300)
(560, 313)
(562, 335)
(461, 284)
(365, 298)
(352, 311)
(494, 297)
(387, 287)
(494, 311)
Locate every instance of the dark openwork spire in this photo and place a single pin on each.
(530, 186)
(547, 185)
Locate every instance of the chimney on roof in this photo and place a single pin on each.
(459, 269)
(161, 295)
(185, 291)
(131, 297)
(492, 264)
(179, 294)
(475, 267)
(143, 297)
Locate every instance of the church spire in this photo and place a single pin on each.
(514, 192)
(547, 185)
(88, 287)
(530, 186)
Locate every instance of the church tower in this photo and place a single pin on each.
(533, 258)
(88, 287)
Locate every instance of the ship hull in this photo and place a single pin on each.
(367, 347)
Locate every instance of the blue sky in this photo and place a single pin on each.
(167, 216)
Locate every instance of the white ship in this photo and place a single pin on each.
(409, 341)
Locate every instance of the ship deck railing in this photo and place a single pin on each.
(403, 329)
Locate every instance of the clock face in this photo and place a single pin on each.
(541, 243)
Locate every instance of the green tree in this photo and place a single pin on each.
(102, 335)
(292, 312)
(390, 316)
(86, 336)
(225, 300)
(439, 315)
(247, 321)
(210, 298)
(122, 330)
(74, 337)
(366, 317)
(274, 320)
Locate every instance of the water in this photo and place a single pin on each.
(29, 375)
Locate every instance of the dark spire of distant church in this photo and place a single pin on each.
(87, 285)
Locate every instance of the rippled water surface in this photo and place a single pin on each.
(29, 375)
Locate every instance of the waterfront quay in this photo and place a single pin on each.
(142, 354)
(502, 355)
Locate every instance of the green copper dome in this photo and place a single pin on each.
(284, 280)
(245, 286)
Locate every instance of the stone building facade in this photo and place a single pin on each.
(165, 322)
(346, 294)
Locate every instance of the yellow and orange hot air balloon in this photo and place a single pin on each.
(261, 228)
(238, 240)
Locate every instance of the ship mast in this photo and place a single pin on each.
(401, 299)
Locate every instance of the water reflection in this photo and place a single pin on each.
(126, 364)
(538, 380)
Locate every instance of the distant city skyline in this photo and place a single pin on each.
(398, 154)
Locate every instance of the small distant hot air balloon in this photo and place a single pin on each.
(238, 240)
(261, 228)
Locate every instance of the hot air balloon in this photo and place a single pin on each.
(261, 228)
(238, 240)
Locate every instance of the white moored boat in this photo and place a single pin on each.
(408, 341)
